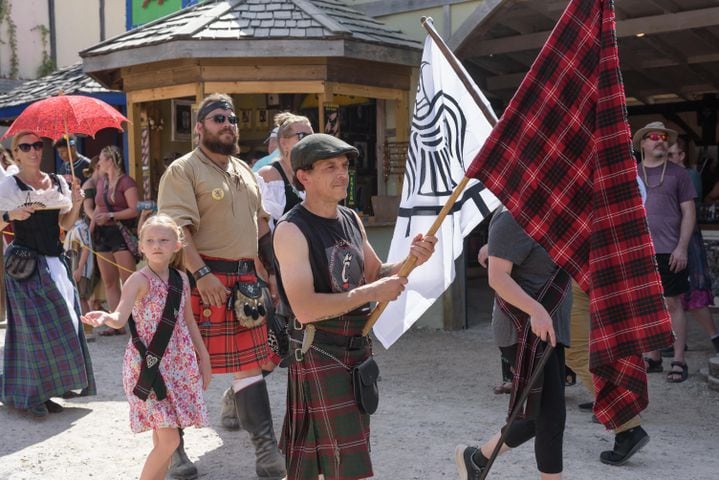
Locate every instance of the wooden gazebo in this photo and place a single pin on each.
(316, 48)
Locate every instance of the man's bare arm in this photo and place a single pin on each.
(309, 306)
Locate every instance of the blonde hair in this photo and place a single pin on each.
(284, 121)
(164, 220)
(114, 154)
(6, 157)
(19, 136)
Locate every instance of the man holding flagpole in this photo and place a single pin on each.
(328, 273)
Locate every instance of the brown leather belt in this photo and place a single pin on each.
(347, 342)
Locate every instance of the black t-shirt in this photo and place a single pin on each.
(336, 254)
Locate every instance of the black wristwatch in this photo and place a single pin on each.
(203, 271)
(6, 217)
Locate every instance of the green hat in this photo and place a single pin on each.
(319, 146)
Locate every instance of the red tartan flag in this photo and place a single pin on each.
(560, 160)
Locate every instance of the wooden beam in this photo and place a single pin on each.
(671, 22)
(266, 87)
(162, 93)
(366, 91)
(133, 136)
(481, 15)
(674, 117)
(402, 118)
(512, 80)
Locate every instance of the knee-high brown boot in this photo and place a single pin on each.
(253, 410)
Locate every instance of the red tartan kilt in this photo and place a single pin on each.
(232, 347)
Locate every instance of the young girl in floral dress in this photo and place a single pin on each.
(184, 366)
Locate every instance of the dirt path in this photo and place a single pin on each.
(435, 392)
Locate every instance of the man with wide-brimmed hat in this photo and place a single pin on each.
(329, 273)
(671, 216)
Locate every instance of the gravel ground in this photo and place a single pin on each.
(435, 393)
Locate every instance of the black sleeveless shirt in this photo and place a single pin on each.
(291, 197)
(336, 257)
(41, 231)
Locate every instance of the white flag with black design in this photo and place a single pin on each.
(448, 129)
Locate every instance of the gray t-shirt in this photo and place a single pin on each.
(532, 268)
(664, 197)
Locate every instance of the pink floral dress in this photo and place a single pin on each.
(185, 404)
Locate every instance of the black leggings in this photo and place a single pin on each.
(548, 427)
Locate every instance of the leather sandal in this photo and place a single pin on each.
(674, 376)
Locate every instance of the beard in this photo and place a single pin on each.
(215, 144)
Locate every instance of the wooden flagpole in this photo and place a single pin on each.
(411, 261)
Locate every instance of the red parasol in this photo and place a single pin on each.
(59, 116)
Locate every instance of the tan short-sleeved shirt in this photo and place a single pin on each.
(221, 208)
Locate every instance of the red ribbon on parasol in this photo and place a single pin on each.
(57, 117)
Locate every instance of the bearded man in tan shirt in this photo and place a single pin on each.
(213, 196)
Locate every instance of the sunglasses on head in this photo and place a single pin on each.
(220, 119)
(301, 135)
(25, 147)
(655, 137)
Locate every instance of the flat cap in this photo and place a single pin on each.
(319, 146)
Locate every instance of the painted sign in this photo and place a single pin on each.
(140, 12)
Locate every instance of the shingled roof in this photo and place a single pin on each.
(205, 30)
(70, 80)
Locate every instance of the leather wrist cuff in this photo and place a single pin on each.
(201, 272)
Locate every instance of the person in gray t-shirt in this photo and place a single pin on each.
(518, 269)
(531, 268)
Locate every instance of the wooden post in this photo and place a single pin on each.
(133, 136)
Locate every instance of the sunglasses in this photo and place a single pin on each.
(220, 119)
(655, 137)
(25, 147)
(300, 135)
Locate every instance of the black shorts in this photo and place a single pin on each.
(107, 238)
(674, 283)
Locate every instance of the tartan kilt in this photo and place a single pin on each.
(232, 347)
(43, 357)
(324, 432)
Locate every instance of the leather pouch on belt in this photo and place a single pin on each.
(249, 305)
(20, 262)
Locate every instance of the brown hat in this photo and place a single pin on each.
(319, 146)
(653, 127)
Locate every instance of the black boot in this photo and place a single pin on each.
(182, 467)
(253, 409)
(228, 417)
(626, 444)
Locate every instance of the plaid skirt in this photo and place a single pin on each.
(231, 346)
(697, 264)
(324, 432)
(44, 356)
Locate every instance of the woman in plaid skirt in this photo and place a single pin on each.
(45, 350)
(328, 272)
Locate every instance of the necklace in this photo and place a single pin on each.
(661, 178)
(158, 277)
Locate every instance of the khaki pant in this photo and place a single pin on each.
(577, 356)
